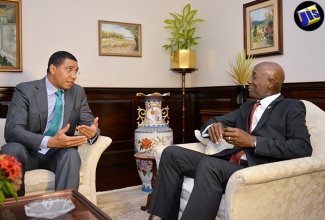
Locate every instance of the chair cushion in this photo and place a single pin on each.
(187, 188)
(39, 180)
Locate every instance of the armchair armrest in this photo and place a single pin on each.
(197, 146)
(282, 187)
(90, 154)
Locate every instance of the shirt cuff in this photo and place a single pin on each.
(204, 133)
(93, 140)
(43, 147)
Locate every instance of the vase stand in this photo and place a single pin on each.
(144, 156)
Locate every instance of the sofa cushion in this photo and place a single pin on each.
(39, 180)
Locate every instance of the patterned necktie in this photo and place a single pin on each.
(235, 158)
(57, 116)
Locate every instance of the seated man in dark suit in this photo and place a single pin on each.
(275, 130)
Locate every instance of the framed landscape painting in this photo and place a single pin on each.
(263, 28)
(119, 39)
(10, 36)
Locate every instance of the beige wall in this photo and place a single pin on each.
(222, 36)
(70, 25)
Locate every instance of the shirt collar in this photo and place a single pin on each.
(267, 101)
(50, 88)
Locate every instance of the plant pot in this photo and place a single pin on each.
(241, 95)
(183, 59)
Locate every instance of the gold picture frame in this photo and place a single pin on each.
(263, 28)
(119, 39)
(10, 36)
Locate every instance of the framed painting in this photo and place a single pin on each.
(263, 28)
(119, 39)
(10, 36)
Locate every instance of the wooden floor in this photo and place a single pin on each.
(117, 176)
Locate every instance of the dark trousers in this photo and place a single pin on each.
(64, 162)
(210, 175)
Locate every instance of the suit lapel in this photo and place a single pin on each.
(41, 100)
(68, 100)
(267, 113)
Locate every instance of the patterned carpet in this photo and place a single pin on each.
(124, 204)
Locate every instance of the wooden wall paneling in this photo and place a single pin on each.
(114, 121)
(313, 92)
(117, 110)
(5, 98)
(221, 99)
(193, 119)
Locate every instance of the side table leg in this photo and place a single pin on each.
(145, 207)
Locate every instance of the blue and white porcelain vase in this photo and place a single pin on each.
(152, 131)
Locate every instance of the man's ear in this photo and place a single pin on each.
(52, 68)
(271, 83)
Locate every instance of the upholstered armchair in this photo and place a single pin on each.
(291, 189)
(42, 181)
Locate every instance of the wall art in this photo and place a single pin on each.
(119, 39)
(263, 28)
(10, 36)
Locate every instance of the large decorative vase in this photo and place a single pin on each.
(152, 131)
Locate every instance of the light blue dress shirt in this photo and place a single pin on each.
(51, 99)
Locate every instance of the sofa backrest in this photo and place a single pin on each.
(2, 131)
(315, 121)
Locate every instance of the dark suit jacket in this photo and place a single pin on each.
(27, 114)
(281, 132)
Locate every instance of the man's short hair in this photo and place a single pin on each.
(58, 58)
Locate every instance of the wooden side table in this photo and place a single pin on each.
(144, 156)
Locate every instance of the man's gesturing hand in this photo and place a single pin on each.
(60, 140)
(215, 132)
(238, 137)
(88, 132)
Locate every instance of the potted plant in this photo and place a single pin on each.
(182, 31)
(240, 73)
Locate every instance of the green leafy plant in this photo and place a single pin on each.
(242, 70)
(182, 27)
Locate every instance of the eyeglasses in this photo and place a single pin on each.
(70, 71)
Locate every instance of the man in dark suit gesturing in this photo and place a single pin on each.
(275, 131)
(30, 132)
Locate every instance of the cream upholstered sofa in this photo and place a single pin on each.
(291, 189)
(41, 181)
